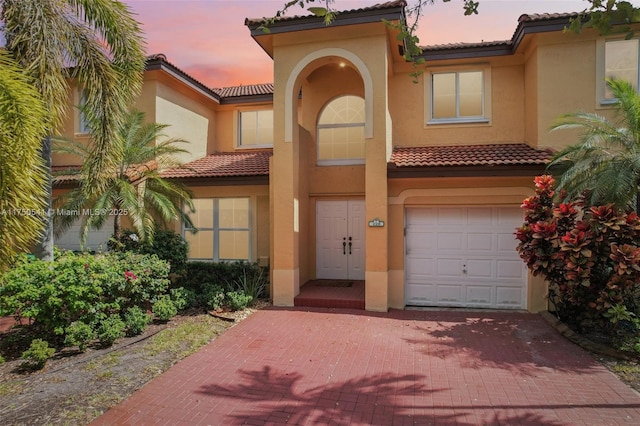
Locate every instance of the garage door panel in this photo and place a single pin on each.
(421, 294)
(451, 216)
(421, 241)
(421, 266)
(510, 269)
(449, 295)
(482, 242)
(473, 261)
(507, 242)
(449, 268)
(480, 268)
(480, 216)
(509, 297)
(479, 295)
(450, 240)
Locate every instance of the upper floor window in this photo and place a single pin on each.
(83, 122)
(255, 128)
(341, 131)
(457, 96)
(620, 61)
(223, 229)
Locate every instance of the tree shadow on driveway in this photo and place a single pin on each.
(267, 395)
(523, 344)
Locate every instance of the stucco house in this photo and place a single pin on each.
(344, 168)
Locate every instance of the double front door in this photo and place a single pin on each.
(340, 229)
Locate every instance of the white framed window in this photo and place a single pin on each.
(83, 123)
(224, 229)
(340, 137)
(619, 58)
(458, 95)
(255, 128)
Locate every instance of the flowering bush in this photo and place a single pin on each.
(589, 255)
(81, 287)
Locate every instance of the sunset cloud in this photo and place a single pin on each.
(208, 38)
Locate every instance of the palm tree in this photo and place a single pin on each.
(605, 163)
(135, 189)
(22, 175)
(94, 42)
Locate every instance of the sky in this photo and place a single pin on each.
(208, 38)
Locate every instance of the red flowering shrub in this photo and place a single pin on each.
(589, 255)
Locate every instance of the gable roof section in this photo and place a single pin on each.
(391, 10)
(527, 24)
(467, 160)
(159, 61)
(224, 165)
(245, 93)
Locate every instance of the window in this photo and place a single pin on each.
(457, 96)
(83, 123)
(341, 132)
(255, 128)
(223, 229)
(620, 61)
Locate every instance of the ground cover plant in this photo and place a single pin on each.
(590, 256)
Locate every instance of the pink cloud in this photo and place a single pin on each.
(208, 38)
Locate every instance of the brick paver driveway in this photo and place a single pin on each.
(341, 367)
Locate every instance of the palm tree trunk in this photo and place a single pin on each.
(117, 225)
(44, 248)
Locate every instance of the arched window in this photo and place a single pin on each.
(341, 131)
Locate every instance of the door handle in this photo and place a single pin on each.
(350, 245)
(344, 246)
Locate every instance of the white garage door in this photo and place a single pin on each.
(464, 256)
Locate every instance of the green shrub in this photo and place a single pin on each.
(164, 308)
(111, 329)
(237, 300)
(136, 321)
(166, 244)
(252, 281)
(212, 296)
(37, 355)
(2, 361)
(79, 334)
(183, 298)
(79, 287)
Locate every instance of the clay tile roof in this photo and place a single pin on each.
(453, 46)
(379, 6)
(248, 90)
(469, 155)
(227, 164)
(65, 174)
(546, 16)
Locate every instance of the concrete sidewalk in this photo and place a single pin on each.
(341, 367)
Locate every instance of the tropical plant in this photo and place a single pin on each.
(590, 256)
(605, 163)
(22, 174)
(135, 188)
(96, 43)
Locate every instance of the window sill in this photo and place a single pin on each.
(347, 162)
(481, 120)
(254, 146)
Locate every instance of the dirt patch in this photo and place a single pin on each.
(74, 388)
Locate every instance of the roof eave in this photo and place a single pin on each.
(394, 172)
(246, 99)
(223, 180)
(304, 23)
(159, 64)
(467, 52)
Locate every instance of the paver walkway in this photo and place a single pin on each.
(340, 367)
